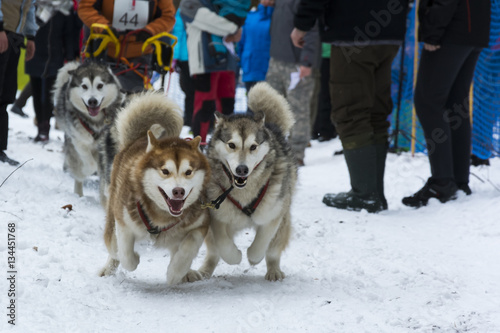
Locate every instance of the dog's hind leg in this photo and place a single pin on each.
(78, 188)
(277, 245)
(212, 258)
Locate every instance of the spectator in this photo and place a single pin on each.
(454, 33)
(290, 69)
(365, 40)
(182, 67)
(212, 27)
(323, 128)
(21, 100)
(133, 24)
(17, 21)
(253, 48)
(57, 41)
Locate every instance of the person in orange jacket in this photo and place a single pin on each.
(133, 22)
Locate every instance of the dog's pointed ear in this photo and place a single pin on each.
(219, 118)
(195, 143)
(260, 117)
(152, 142)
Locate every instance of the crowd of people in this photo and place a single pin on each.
(331, 60)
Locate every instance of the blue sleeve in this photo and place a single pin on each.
(31, 27)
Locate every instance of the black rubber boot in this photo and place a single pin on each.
(366, 170)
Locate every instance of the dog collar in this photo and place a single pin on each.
(87, 127)
(147, 222)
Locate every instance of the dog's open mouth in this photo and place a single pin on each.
(240, 181)
(174, 205)
(93, 111)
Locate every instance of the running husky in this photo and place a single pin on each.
(158, 182)
(250, 154)
(87, 98)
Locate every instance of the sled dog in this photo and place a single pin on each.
(87, 98)
(251, 159)
(157, 186)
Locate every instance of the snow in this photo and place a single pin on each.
(433, 269)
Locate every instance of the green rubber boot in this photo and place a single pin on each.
(366, 169)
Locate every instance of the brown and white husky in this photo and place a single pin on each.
(157, 184)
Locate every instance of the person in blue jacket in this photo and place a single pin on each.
(182, 67)
(253, 48)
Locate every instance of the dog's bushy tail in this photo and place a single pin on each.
(262, 97)
(148, 111)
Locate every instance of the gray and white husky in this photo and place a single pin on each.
(251, 160)
(87, 98)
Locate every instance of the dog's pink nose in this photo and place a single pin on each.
(178, 193)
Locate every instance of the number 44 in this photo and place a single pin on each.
(133, 20)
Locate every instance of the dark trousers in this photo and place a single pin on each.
(42, 97)
(360, 90)
(442, 106)
(23, 97)
(8, 86)
(322, 125)
(187, 86)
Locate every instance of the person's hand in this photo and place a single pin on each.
(4, 42)
(30, 50)
(234, 38)
(267, 3)
(304, 71)
(297, 37)
(431, 47)
(143, 35)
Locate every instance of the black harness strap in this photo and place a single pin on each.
(147, 222)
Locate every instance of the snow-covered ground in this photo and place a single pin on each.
(435, 269)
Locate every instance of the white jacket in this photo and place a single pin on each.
(201, 22)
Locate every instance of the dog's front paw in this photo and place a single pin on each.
(255, 255)
(274, 274)
(109, 268)
(130, 261)
(231, 255)
(192, 276)
(174, 277)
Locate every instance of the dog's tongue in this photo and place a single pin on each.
(93, 111)
(176, 205)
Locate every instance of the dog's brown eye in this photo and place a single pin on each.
(84, 86)
(189, 172)
(231, 145)
(253, 147)
(100, 86)
(165, 172)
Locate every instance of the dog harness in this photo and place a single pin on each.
(147, 222)
(249, 209)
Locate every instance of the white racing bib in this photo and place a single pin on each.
(130, 14)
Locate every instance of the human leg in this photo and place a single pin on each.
(358, 86)
(8, 87)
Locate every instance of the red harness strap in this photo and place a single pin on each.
(86, 126)
(147, 222)
(250, 208)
